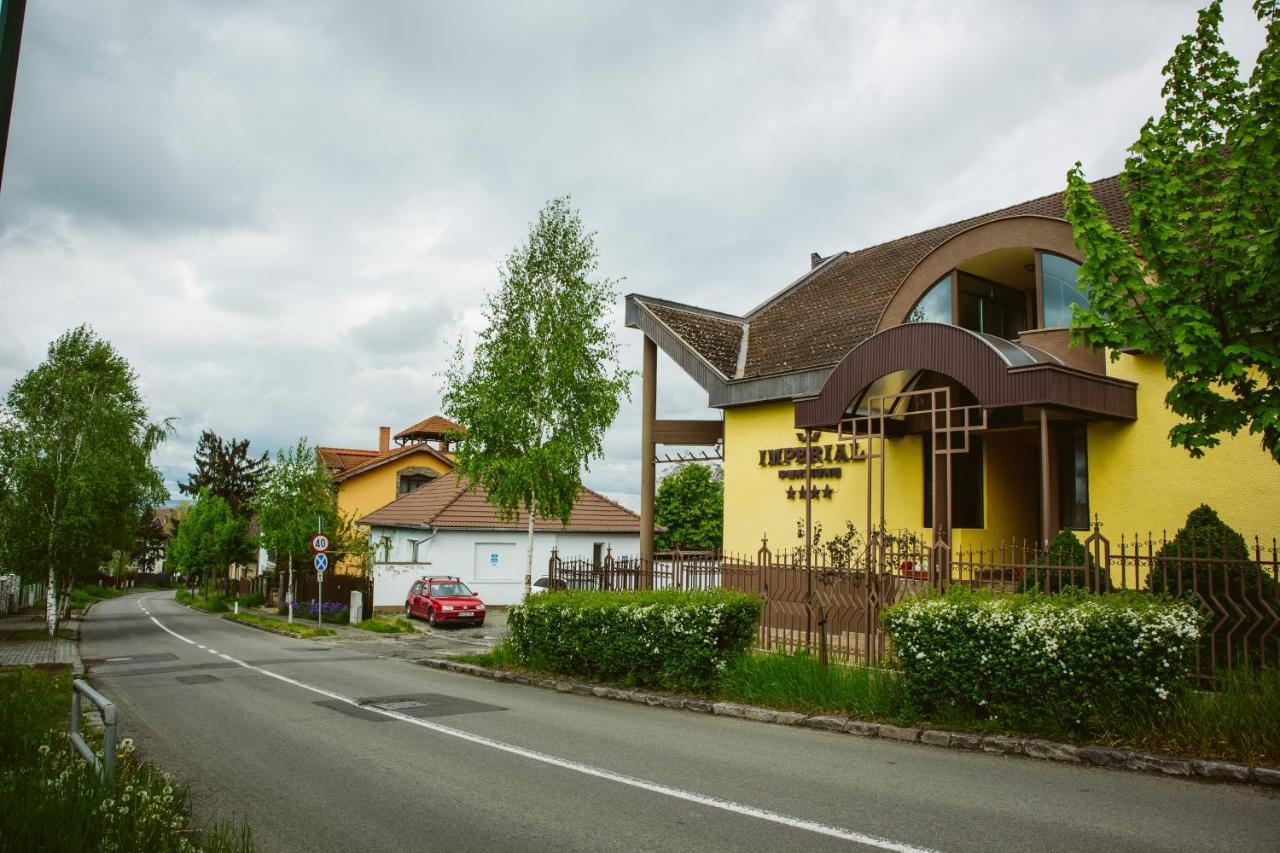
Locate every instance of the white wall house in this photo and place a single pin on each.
(442, 529)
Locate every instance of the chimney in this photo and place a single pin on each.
(814, 260)
(384, 439)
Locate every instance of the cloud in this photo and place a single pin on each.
(284, 213)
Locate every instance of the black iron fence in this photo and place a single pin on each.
(833, 594)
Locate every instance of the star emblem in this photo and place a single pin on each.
(828, 492)
(791, 493)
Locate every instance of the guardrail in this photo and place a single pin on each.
(106, 766)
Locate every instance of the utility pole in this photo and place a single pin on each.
(12, 13)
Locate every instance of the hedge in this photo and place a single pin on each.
(669, 639)
(1032, 660)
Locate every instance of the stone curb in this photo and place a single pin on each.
(1091, 755)
(282, 632)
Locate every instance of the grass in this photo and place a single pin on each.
(52, 800)
(500, 656)
(40, 634)
(386, 625)
(797, 682)
(83, 596)
(214, 603)
(297, 629)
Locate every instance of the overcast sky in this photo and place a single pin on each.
(284, 213)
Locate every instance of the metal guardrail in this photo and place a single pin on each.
(106, 766)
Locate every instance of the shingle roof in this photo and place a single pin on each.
(433, 426)
(391, 455)
(344, 458)
(817, 321)
(446, 502)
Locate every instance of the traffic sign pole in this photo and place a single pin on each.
(322, 562)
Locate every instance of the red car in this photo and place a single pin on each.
(440, 600)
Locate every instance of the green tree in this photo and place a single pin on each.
(75, 465)
(1197, 279)
(543, 383)
(689, 504)
(296, 496)
(150, 540)
(227, 470)
(210, 539)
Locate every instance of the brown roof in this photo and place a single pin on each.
(344, 458)
(816, 321)
(432, 427)
(391, 455)
(446, 502)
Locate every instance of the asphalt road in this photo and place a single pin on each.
(264, 727)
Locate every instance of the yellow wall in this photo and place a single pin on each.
(375, 488)
(756, 503)
(1138, 482)
(1010, 481)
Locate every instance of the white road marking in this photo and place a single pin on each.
(587, 769)
(113, 660)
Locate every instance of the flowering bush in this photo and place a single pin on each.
(667, 638)
(1035, 660)
(335, 612)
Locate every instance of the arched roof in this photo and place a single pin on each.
(997, 372)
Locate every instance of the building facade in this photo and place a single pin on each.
(930, 386)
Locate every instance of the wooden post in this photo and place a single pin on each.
(1046, 534)
(648, 409)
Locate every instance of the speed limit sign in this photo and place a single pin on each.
(319, 543)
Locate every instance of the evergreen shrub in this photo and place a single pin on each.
(1056, 662)
(668, 639)
(1066, 563)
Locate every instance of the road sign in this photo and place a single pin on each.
(322, 562)
(319, 543)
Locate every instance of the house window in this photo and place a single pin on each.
(597, 554)
(409, 479)
(935, 305)
(1072, 447)
(1062, 290)
(990, 307)
(966, 484)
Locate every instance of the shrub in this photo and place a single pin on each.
(253, 599)
(1066, 563)
(1042, 662)
(213, 603)
(1208, 562)
(667, 638)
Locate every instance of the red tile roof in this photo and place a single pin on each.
(433, 427)
(344, 458)
(447, 502)
(379, 459)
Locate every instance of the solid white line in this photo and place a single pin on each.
(587, 769)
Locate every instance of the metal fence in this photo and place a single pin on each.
(834, 595)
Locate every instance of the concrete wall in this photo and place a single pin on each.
(470, 555)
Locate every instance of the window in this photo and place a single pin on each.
(1073, 476)
(935, 305)
(1062, 289)
(966, 483)
(408, 482)
(597, 554)
(995, 309)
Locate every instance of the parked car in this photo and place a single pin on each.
(444, 600)
(545, 583)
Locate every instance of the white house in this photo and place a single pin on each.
(442, 528)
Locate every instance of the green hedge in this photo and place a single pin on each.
(1033, 660)
(666, 638)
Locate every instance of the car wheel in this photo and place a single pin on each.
(408, 611)
(431, 618)
(480, 624)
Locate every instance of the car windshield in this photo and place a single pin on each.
(443, 589)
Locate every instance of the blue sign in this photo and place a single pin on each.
(493, 559)
(322, 562)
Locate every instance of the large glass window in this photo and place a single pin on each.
(1062, 289)
(966, 484)
(986, 306)
(935, 305)
(1073, 477)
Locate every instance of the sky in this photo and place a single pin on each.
(285, 214)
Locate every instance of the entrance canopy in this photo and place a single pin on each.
(999, 373)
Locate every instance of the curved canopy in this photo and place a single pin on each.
(996, 371)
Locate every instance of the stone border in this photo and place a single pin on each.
(1091, 755)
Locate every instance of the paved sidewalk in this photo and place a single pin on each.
(42, 651)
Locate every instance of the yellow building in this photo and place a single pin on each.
(370, 479)
(933, 359)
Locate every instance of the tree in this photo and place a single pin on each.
(543, 383)
(297, 494)
(150, 540)
(690, 505)
(210, 539)
(75, 463)
(227, 470)
(1197, 279)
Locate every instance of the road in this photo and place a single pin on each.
(265, 727)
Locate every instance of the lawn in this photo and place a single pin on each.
(304, 630)
(40, 634)
(386, 625)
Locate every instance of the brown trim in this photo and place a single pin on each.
(972, 361)
(691, 433)
(1013, 232)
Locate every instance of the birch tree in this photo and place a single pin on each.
(75, 465)
(542, 383)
